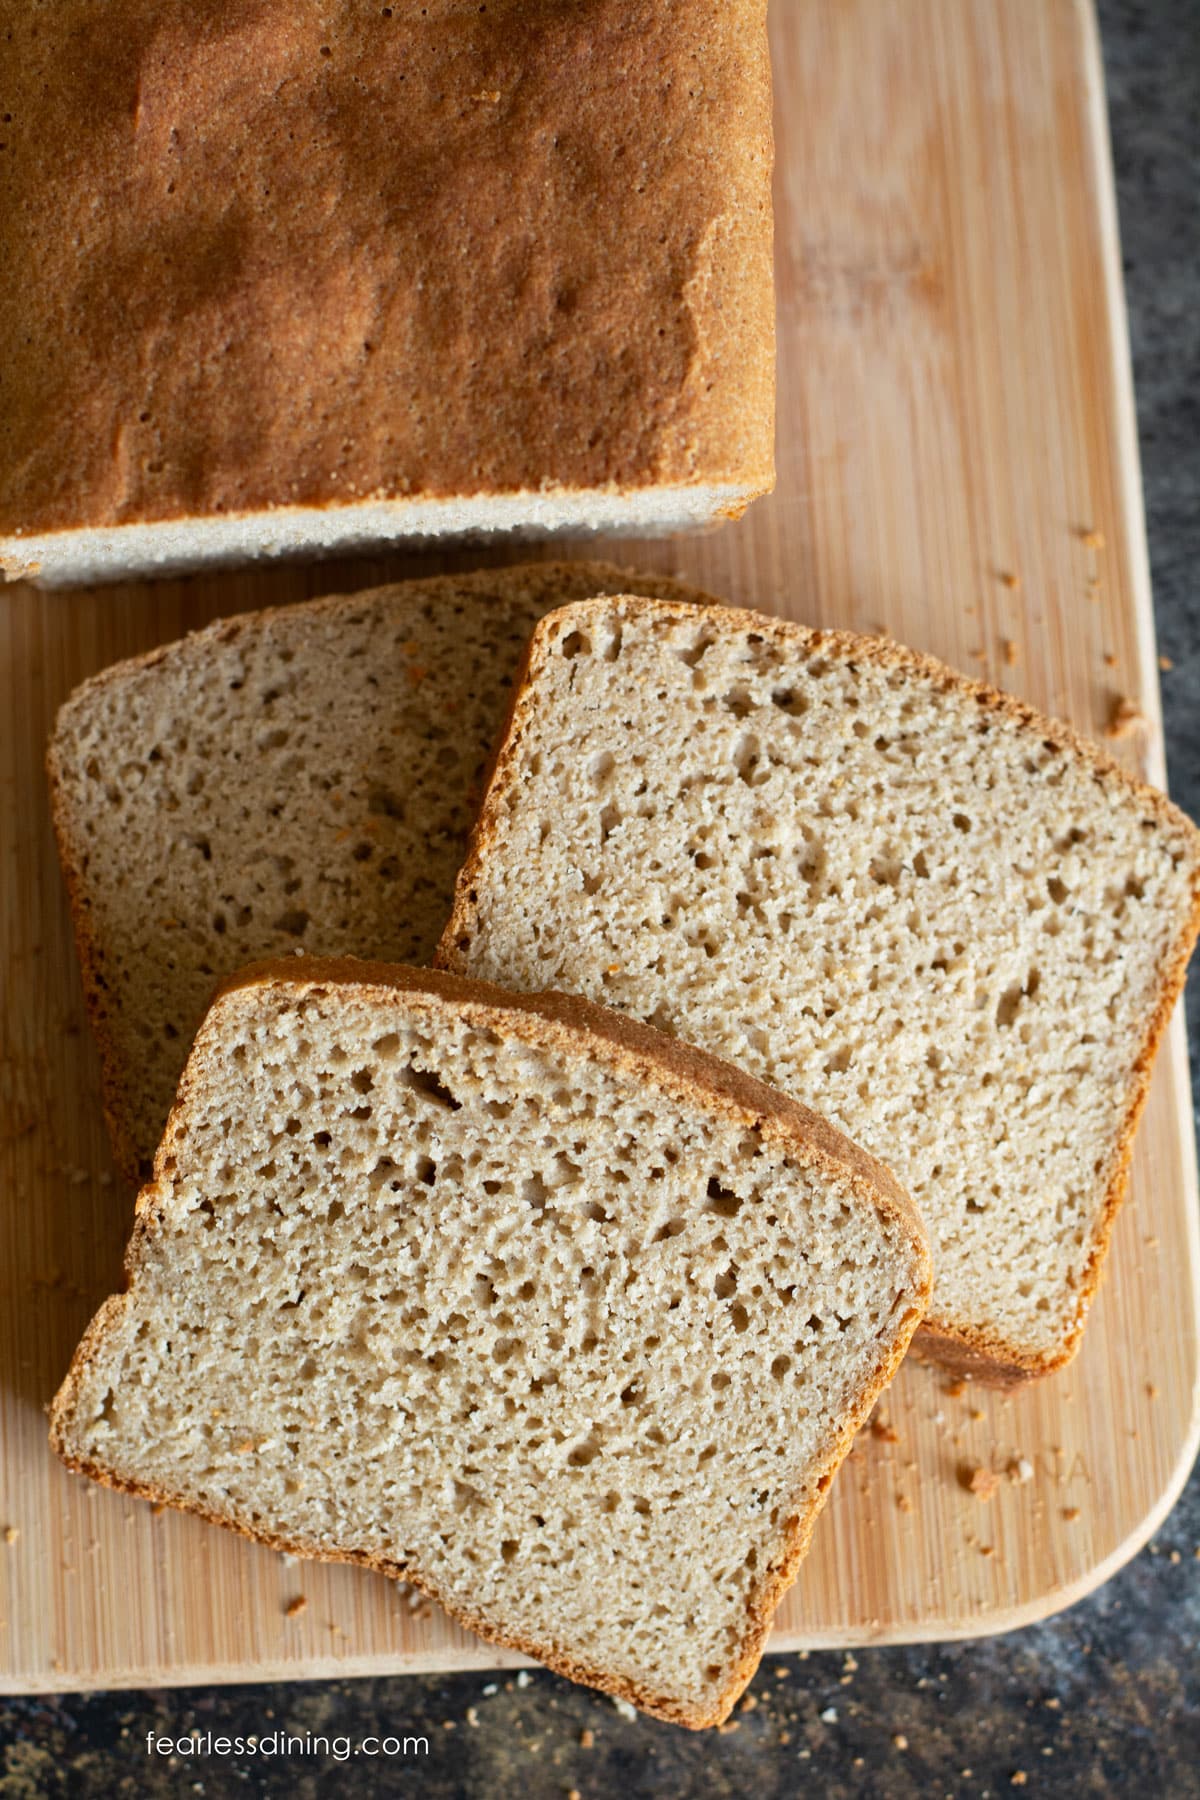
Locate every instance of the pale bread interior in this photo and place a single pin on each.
(937, 921)
(303, 778)
(542, 1324)
(103, 553)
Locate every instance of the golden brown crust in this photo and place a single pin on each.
(561, 1021)
(328, 255)
(492, 586)
(969, 1352)
(973, 1354)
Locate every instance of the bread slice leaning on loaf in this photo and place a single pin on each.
(946, 922)
(514, 1299)
(303, 777)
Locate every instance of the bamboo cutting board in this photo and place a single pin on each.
(955, 408)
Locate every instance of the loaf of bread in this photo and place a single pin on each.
(296, 279)
(516, 1300)
(294, 779)
(947, 923)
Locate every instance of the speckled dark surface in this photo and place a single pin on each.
(1104, 1699)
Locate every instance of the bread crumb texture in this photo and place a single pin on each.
(280, 256)
(279, 781)
(943, 921)
(540, 1320)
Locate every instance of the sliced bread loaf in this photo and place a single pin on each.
(298, 778)
(946, 922)
(514, 1299)
(305, 278)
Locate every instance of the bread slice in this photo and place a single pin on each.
(513, 1299)
(299, 778)
(305, 279)
(948, 923)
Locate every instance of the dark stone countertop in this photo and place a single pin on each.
(1105, 1698)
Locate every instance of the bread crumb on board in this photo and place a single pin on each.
(1125, 717)
(1070, 1514)
(1012, 652)
(11, 1533)
(979, 1480)
(1020, 1470)
(295, 1607)
(1011, 580)
(883, 1429)
(1091, 538)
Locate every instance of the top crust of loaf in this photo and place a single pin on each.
(307, 257)
(965, 1348)
(690, 1077)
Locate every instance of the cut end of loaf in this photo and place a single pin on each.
(534, 1315)
(942, 920)
(95, 554)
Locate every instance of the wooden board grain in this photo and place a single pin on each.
(955, 407)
